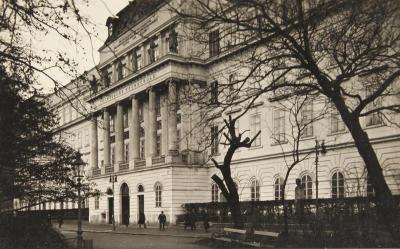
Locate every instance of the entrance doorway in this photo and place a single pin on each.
(140, 200)
(110, 209)
(125, 204)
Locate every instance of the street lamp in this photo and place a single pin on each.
(78, 173)
(113, 179)
(319, 148)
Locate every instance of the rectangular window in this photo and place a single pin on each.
(178, 139)
(279, 126)
(96, 202)
(138, 58)
(107, 76)
(79, 140)
(306, 120)
(112, 155)
(141, 112)
(214, 92)
(214, 140)
(213, 43)
(158, 144)
(126, 120)
(255, 127)
(158, 105)
(375, 117)
(337, 124)
(112, 123)
(126, 155)
(142, 148)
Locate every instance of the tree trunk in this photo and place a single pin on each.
(384, 199)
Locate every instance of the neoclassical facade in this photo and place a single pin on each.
(141, 142)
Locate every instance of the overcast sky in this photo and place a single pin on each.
(98, 11)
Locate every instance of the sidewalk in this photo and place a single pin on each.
(172, 230)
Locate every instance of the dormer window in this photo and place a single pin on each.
(110, 29)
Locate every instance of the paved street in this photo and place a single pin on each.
(103, 237)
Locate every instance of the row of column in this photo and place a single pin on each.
(134, 130)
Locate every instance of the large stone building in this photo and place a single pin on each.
(134, 127)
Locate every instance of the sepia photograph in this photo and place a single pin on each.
(196, 124)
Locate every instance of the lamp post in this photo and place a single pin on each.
(113, 179)
(77, 166)
(319, 148)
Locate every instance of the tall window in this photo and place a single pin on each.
(96, 202)
(255, 190)
(112, 155)
(255, 127)
(79, 140)
(306, 182)
(138, 58)
(337, 124)
(213, 43)
(278, 184)
(279, 126)
(214, 192)
(126, 154)
(112, 123)
(158, 105)
(153, 51)
(158, 190)
(337, 184)
(375, 117)
(306, 117)
(214, 140)
(142, 148)
(158, 144)
(126, 120)
(214, 92)
(107, 75)
(86, 137)
(121, 69)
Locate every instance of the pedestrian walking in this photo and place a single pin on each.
(299, 200)
(60, 221)
(205, 220)
(192, 220)
(187, 220)
(142, 220)
(162, 219)
(49, 219)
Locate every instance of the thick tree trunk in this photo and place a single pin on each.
(384, 199)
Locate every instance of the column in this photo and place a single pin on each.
(134, 129)
(119, 136)
(152, 123)
(172, 119)
(94, 148)
(106, 140)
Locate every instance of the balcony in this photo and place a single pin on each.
(158, 160)
(96, 171)
(123, 166)
(140, 164)
(109, 169)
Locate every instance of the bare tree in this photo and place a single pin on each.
(227, 185)
(345, 51)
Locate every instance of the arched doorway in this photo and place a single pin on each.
(140, 196)
(125, 204)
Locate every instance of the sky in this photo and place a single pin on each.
(87, 54)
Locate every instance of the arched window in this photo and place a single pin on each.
(306, 182)
(278, 184)
(255, 190)
(158, 190)
(337, 183)
(214, 192)
(140, 188)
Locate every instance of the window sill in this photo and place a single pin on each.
(279, 143)
(256, 147)
(374, 126)
(337, 133)
(307, 138)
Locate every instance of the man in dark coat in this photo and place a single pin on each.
(142, 220)
(162, 219)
